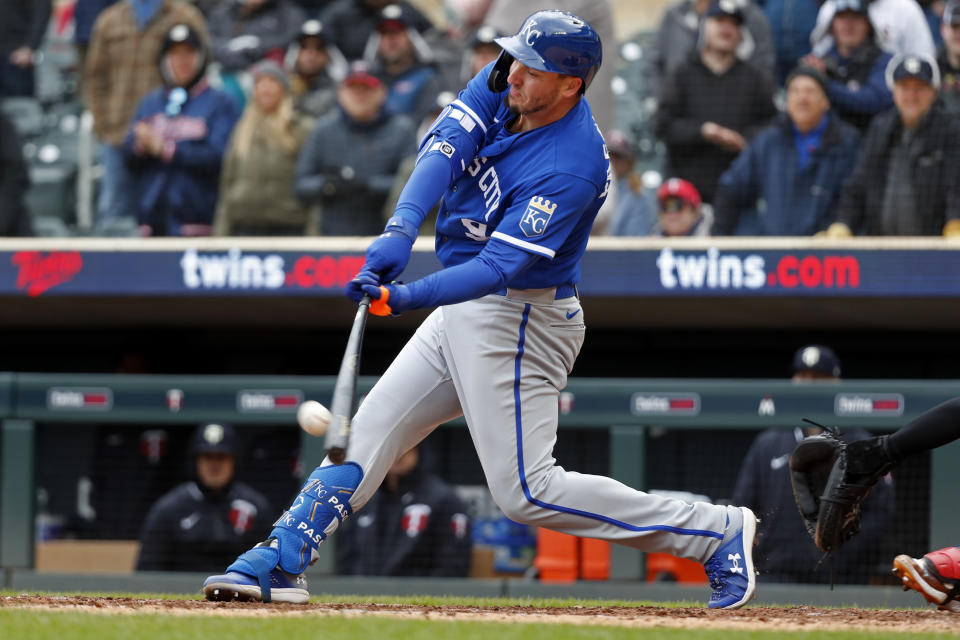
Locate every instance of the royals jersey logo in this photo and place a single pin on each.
(537, 216)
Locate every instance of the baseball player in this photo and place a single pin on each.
(841, 477)
(522, 169)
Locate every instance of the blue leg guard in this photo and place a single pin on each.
(316, 512)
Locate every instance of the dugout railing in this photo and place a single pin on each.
(626, 409)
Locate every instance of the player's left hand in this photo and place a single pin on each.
(390, 299)
(354, 289)
(388, 255)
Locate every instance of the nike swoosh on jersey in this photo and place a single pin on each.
(188, 522)
(570, 315)
(780, 461)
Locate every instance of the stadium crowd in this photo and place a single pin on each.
(301, 117)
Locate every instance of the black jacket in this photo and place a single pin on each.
(422, 529)
(190, 529)
(741, 99)
(14, 182)
(351, 22)
(785, 552)
(935, 172)
(24, 22)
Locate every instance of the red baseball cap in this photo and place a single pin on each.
(679, 188)
(360, 74)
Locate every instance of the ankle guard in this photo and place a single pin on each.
(316, 512)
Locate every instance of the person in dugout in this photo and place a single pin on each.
(177, 139)
(209, 519)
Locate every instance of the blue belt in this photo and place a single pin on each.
(563, 291)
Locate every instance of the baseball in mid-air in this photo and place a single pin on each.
(313, 417)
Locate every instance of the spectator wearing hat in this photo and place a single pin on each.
(900, 27)
(854, 66)
(208, 520)
(256, 184)
(632, 212)
(797, 166)
(244, 32)
(483, 50)
(404, 62)
(352, 22)
(948, 58)
(784, 552)
(713, 104)
(177, 139)
(348, 164)
(681, 211)
(316, 69)
(120, 69)
(681, 28)
(905, 181)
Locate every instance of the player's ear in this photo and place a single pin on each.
(570, 85)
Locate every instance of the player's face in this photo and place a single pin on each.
(532, 90)
(182, 59)
(913, 98)
(215, 470)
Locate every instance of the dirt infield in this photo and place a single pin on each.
(757, 618)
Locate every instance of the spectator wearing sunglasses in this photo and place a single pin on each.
(177, 139)
(681, 212)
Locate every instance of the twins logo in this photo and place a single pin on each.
(537, 216)
(415, 519)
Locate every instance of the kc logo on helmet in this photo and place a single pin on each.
(537, 216)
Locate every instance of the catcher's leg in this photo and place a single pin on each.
(936, 576)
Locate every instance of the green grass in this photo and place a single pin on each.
(53, 625)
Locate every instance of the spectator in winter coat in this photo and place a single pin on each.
(14, 182)
(121, 68)
(22, 28)
(784, 553)
(632, 211)
(209, 520)
(854, 66)
(317, 68)
(900, 25)
(85, 13)
(403, 61)
(680, 31)
(177, 140)
(256, 185)
(415, 525)
(352, 22)
(796, 167)
(349, 161)
(712, 105)
(905, 181)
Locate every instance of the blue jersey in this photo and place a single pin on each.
(538, 191)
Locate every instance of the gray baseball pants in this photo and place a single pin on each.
(501, 361)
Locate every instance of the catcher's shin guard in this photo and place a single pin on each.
(274, 565)
(936, 576)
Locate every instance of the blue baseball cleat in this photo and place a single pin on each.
(730, 569)
(255, 577)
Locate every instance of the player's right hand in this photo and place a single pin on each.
(354, 289)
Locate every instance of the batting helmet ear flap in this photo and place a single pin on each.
(497, 80)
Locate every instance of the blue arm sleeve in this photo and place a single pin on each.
(448, 147)
(489, 271)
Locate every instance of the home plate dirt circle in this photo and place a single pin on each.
(758, 618)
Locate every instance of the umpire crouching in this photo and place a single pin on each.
(202, 524)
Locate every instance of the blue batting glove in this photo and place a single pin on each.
(354, 289)
(389, 254)
(397, 298)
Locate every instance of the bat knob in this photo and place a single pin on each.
(337, 455)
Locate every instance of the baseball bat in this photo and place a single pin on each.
(345, 390)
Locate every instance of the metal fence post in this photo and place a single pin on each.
(16, 493)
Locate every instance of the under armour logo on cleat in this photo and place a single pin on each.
(735, 558)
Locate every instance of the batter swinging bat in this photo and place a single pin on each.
(345, 391)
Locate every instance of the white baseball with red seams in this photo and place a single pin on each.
(313, 417)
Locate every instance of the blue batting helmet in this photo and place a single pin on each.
(551, 40)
